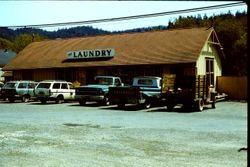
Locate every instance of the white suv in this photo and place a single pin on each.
(54, 90)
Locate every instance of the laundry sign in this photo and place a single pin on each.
(87, 54)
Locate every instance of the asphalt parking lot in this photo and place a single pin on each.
(68, 135)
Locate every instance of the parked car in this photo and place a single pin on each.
(97, 91)
(143, 92)
(18, 90)
(54, 90)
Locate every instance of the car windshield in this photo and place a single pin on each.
(10, 85)
(43, 85)
(104, 81)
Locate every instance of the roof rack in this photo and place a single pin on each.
(53, 81)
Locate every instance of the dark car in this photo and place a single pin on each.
(18, 90)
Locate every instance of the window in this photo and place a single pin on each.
(104, 81)
(10, 85)
(210, 71)
(56, 86)
(71, 86)
(22, 85)
(44, 85)
(31, 85)
(148, 82)
(64, 86)
(117, 82)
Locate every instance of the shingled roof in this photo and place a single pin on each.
(156, 47)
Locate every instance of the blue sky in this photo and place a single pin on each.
(15, 13)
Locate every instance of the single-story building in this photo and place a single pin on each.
(192, 51)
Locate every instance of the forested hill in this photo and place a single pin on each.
(61, 33)
(231, 30)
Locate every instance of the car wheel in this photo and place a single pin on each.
(25, 98)
(170, 106)
(43, 101)
(59, 99)
(147, 104)
(11, 100)
(82, 102)
(106, 101)
(199, 105)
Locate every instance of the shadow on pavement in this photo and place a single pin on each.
(178, 109)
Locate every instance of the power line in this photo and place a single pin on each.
(130, 17)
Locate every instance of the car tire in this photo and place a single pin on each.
(106, 101)
(43, 101)
(170, 106)
(25, 98)
(199, 105)
(11, 100)
(147, 104)
(82, 102)
(59, 99)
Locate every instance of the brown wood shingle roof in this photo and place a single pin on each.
(157, 47)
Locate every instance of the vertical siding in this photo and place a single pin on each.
(17, 75)
(100, 71)
(165, 70)
(82, 76)
(44, 74)
(209, 51)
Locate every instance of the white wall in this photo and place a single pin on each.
(209, 51)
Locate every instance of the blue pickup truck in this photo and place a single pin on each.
(97, 91)
(143, 92)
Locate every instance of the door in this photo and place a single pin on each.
(68, 93)
(31, 87)
(210, 71)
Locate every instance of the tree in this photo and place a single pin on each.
(25, 39)
(232, 32)
(240, 52)
(6, 44)
(233, 40)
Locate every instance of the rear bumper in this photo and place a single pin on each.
(90, 97)
(125, 100)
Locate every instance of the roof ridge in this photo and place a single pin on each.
(126, 33)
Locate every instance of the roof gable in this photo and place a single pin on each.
(157, 47)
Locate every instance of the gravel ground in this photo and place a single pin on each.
(70, 135)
